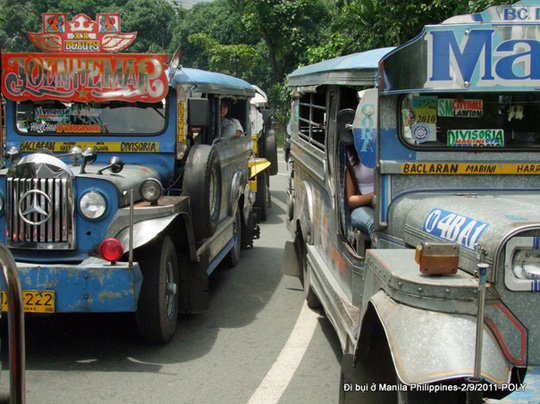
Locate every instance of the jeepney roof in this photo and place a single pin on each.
(210, 82)
(355, 69)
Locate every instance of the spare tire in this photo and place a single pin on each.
(202, 183)
(270, 151)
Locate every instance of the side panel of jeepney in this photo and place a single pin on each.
(316, 184)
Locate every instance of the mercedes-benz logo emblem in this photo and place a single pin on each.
(35, 207)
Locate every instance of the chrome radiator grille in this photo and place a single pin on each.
(39, 213)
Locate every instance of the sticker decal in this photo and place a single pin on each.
(476, 138)
(420, 132)
(455, 228)
(454, 108)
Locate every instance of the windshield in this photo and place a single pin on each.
(115, 117)
(472, 120)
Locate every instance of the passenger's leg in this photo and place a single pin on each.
(362, 219)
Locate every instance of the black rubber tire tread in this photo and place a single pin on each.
(270, 151)
(233, 256)
(261, 197)
(201, 163)
(155, 323)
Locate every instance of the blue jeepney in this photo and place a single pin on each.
(120, 193)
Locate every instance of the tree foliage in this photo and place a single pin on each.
(215, 20)
(359, 25)
(237, 60)
(259, 40)
(287, 27)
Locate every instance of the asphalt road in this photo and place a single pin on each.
(258, 344)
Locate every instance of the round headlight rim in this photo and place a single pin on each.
(152, 182)
(100, 195)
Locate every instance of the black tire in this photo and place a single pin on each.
(157, 309)
(261, 198)
(202, 183)
(312, 300)
(270, 151)
(233, 256)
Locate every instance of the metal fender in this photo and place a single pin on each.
(239, 184)
(304, 202)
(147, 230)
(429, 346)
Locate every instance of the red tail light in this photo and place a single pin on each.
(111, 249)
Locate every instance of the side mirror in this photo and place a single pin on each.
(345, 119)
(198, 112)
(115, 165)
(13, 155)
(89, 156)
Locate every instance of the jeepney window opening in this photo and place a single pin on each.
(312, 119)
(197, 134)
(237, 110)
(349, 99)
(53, 117)
(459, 121)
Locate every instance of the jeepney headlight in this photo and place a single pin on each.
(93, 205)
(526, 264)
(151, 190)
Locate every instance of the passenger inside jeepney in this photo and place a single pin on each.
(229, 126)
(359, 189)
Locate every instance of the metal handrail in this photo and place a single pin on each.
(17, 360)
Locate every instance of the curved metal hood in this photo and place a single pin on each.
(466, 219)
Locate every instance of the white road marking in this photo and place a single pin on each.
(280, 374)
(276, 201)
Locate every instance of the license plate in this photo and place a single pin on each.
(34, 301)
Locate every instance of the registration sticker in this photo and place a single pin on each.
(34, 301)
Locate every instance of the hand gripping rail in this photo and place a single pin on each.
(17, 362)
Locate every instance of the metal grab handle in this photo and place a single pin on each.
(17, 361)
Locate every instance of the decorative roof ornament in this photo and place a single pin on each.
(81, 34)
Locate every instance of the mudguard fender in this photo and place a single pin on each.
(429, 346)
(147, 230)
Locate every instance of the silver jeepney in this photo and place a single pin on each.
(443, 299)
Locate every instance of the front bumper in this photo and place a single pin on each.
(94, 285)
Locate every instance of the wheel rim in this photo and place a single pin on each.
(213, 194)
(236, 233)
(171, 289)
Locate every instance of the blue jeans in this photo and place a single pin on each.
(362, 219)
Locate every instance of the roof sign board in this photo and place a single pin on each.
(81, 34)
(79, 70)
(498, 49)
